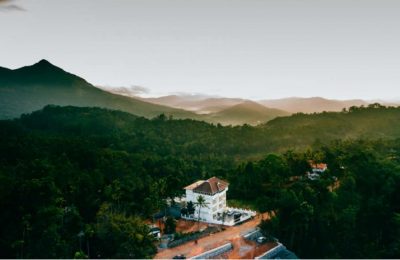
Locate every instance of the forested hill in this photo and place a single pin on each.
(30, 88)
(99, 174)
(299, 130)
(160, 135)
(163, 135)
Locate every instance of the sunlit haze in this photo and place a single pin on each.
(250, 49)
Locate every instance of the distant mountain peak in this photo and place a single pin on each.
(43, 66)
(40, 73)
(32, 87)
(249, 103)
(43, 63)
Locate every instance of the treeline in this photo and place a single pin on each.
(79, 182)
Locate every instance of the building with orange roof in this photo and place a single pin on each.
(316, 170)
(215, 210)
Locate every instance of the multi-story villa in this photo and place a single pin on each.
(215, 210)
(213, 191)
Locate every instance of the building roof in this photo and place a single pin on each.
(210, 186)
(319, 166)
(193, 185)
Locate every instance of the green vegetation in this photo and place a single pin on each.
(200, 203)
(79, 182)
(353, 216)
(30, 88)
(190, 208)
(301, 130)
(240, 203)
(170, 225)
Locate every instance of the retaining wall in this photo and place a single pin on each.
(214, 252)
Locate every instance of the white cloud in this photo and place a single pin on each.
(8, 6)
(131, 91)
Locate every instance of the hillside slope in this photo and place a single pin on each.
(247, 112)
(300, 130)
(32, 87)
(198, 103)
(297, 131)
(311, 105)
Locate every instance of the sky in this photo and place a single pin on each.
(340, 49)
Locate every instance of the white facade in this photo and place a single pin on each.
(216, 210)
(216, 204)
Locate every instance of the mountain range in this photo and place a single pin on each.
(30, 88)
(312, 104)
(204, 105)
(245, 112)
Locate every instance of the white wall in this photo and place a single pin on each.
(216, 203)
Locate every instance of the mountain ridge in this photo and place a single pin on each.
(30, 88)
(311, 104)
(316, 104)
(197, 103)
(249, 112)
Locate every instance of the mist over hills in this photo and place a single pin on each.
(246, 112)
(204, 104)
(312, 104)
(198, 103)
(32, 87)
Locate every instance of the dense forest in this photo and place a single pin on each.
(79, 182)
(352, 211)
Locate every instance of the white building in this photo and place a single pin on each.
(316, 170)
(216, 211)
(213, 191)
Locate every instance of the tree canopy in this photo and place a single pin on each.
(82, 181)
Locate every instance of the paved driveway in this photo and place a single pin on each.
(230, 234)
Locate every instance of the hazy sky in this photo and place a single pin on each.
(251, 49)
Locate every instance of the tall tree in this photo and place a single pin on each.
(190, 208)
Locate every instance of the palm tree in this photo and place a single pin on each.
(201, 202)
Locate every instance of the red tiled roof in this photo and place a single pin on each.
(193, 185)
(320, 166)
(210, 186)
